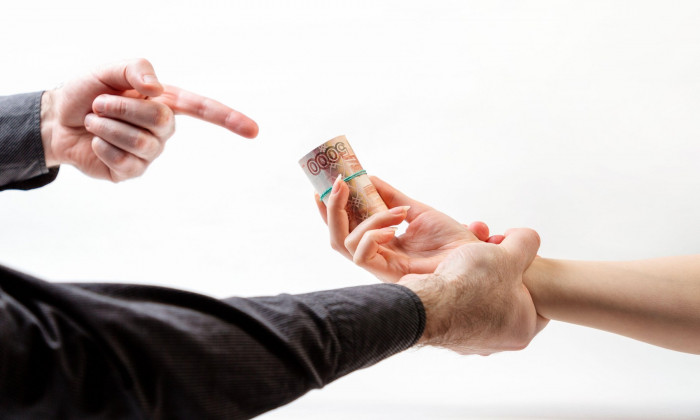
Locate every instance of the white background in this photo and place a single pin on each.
(579, 119)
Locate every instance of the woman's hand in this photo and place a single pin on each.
(373, 245)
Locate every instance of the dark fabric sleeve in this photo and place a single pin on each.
(22, 164)
(129, 351)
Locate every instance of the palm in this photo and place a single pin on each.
(428, 239)
(430, 235)
(75, 144)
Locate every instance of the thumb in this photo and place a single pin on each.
(137, 74)
(522, 243)
(458, 261)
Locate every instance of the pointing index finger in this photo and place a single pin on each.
(209, 110)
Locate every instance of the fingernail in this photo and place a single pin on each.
(99, 104)
(391, 229)
(88, 120)
(336, 184)
(399, 210)
(150, 79)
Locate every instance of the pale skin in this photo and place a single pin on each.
(656, 301)
(472, 291)
(475, 301)
(112, 123)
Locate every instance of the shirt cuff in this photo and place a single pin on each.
(22, 164)
(372, 322)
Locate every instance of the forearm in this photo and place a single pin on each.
(138, 351)
(656, 301)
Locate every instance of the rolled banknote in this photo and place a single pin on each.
(335, 157)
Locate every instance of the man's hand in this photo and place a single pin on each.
(114, 122)
(429, 238)
(470, 283)
(476, 302)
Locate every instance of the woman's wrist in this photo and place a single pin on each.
(540, 280)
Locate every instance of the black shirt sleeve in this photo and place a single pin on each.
(131, 351)
(22, 164)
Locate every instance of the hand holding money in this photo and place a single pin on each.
(373, 245)
(335, 160)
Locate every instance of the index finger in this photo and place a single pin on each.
(395, 198)
(207, 109)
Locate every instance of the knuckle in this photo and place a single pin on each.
(163, 116)
(115, 106)
(121, 107)
(156, 150)
(139, 141)
(129, 170)
(120, 160)
(488, 262)
(232, 120)
(203, 107)
(144, 145)
(138, 171)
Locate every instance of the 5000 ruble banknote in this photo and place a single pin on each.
(335, 157)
